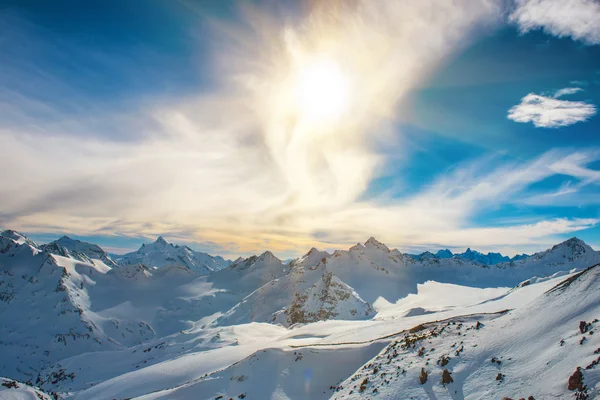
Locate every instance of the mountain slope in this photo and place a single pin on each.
(531, 351)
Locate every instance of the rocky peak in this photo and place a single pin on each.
(312, 251)
(372, 242)
(268, 257)
(356, 247)
(576, 247)
(238, 260)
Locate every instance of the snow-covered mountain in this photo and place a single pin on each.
(161, 253)
(367, 321)
(78, 250)
(43, 309)
(305, 292)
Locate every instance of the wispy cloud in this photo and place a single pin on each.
(563, 18)
(567, 91)
(552, 112)
(572, 192)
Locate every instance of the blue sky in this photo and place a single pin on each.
(477, 128)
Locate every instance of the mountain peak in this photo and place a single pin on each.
(161, 240)
(372, 242)
(574, 244)
(268, 256)
(444, 254)
(64, 237)
(238, 260)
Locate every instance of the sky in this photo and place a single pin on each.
(236, 127)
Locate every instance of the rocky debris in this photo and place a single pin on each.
(584, 326)
(500, 377)
(363, 385)
(10, 384)
(423, 376)
(495, 360)
(576, 383)
(446, 377)
(443, 361)
(593, 363)
(479, 325)
(522, 398)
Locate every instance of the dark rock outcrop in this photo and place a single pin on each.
(446, 377)
(576, 380)
(423, 376)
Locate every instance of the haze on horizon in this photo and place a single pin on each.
(241, 127)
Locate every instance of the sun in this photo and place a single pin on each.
(322, 90)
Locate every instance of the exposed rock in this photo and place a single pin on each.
(444, 361)
(446, 377)
(576, 380)
(423, 376)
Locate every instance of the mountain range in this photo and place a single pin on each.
(168, 322)
(487, 259)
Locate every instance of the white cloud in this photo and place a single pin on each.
(578, 19)
(551, 112)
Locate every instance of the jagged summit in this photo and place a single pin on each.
(372, 242)
(161, 241)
